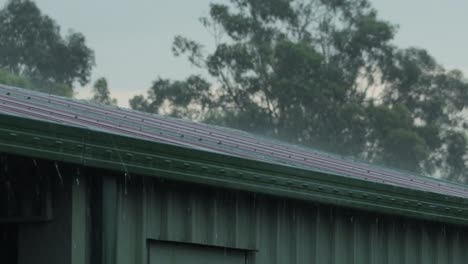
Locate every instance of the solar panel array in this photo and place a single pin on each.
(189, 134)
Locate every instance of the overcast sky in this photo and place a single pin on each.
(132, 39)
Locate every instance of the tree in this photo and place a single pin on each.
(304, 71)
(101, 93)
(188, 98)
(282, 71)
(31, 46)
(435, 100)
(24, 82)
(14, 80)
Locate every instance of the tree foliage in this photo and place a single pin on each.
(101, 93)
(8, 78)
(323, 74)
(435, 100)
(31, 45)
(188, 98)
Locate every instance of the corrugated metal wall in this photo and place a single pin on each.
(278, 231)
(103, 218)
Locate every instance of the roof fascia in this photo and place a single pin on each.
(78, 145)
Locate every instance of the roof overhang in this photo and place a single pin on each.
(82, 146)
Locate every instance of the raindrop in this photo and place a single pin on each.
(126, 176)
(58, 173)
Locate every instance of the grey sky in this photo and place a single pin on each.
(132, 39)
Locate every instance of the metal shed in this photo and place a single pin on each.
(85, 183)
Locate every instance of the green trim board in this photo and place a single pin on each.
(78, 145)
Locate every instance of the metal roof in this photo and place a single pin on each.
(193, 135)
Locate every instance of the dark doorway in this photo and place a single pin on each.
(184, 253)
(8, 244)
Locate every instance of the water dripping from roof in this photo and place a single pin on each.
(58, 173)
(126, 177)
(77, 178)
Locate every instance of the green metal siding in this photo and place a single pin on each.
(277, 230)
(107, 217)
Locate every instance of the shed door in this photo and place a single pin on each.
(178, 253)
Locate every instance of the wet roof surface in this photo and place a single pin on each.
(115, 120)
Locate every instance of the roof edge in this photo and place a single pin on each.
(98, 149)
